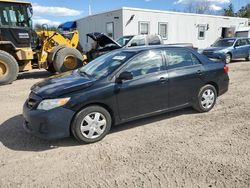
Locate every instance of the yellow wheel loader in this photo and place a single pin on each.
(23, 49)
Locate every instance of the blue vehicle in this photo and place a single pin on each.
(229, 49)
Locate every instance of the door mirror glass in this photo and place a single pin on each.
(125, 76)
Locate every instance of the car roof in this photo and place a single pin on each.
(152, 47)
(234, 38)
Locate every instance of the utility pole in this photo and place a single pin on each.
(90, 11)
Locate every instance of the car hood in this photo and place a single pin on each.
(102, 39)
(61, 84)
(214, 49)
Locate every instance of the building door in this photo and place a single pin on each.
(227, 32)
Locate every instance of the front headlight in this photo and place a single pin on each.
(49, 104)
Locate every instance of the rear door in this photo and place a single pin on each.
(185, 73)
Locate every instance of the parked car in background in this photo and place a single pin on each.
(121, 86)
(104, 44)
(229, 49)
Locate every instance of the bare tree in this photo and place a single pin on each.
(199, 7)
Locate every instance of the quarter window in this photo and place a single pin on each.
(180, 58)
(144, 28)
(146, 63)
(163, 30)
(201, 32)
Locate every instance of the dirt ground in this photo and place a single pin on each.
(178, 149)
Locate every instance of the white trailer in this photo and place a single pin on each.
(174, 27)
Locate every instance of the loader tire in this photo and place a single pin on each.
(68, 59)
(8, 68)
(51, 69)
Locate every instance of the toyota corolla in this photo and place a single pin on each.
(121, 86)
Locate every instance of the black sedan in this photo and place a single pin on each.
(121, 86)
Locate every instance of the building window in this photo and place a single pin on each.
(201, 32)
(144, 28)
(163, 30)
(110, 29)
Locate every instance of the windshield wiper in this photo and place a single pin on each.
(83, 72)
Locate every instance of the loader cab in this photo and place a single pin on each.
(15, 23)
(15, 14)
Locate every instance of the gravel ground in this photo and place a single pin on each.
(178, 149)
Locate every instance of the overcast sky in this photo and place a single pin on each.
(54, 12)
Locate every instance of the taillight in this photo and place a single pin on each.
(226, 69)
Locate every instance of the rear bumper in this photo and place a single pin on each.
(51, 124)
(223, 85)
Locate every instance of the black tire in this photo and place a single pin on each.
(228, 58)
(198, 101)
(79, 119)
(8, 67)
(248, 57)
(51, 69)
(60, 63)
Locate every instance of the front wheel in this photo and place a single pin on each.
(206, 99)
(91, 124)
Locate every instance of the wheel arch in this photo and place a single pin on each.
(215, 85)
(105, 106)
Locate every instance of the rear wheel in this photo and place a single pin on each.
(206, 99)
(248, 57)
(68, 59)
(8, 68)
(91, 124)
(228, 58)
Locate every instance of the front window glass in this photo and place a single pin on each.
(146, 63)
(224, 43)
(16, 15)
(105, 64)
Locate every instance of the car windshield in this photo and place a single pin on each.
(224, 43)
(123, 41)
(105, 64)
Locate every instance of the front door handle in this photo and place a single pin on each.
(163, 79)
(199, 72)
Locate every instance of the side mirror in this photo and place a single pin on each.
(125, 76)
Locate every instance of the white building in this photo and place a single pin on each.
(175, 27)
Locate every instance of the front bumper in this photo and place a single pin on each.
(51, 124)
(214, 55)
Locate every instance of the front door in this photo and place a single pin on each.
(147, 92)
